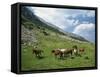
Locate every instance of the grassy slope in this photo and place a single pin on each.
(50, 42)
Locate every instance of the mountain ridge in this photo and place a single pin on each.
(66, 33)
(28, 14)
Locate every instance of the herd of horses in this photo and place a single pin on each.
(61, 53)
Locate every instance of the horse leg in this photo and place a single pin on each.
(71, 53)
(61, 55)
(36, 55)
(40, 55)
(55, 55)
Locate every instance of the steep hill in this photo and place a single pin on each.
(32, 22)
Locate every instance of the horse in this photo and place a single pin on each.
(68, 51)
(81, 50)
(62, 52)
(57, 52)
(37, 52)
(75, 50)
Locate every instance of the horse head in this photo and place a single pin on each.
(75, 47)
(53, 51)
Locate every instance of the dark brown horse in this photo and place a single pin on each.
(37, 52)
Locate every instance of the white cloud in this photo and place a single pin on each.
(58, 17)
(52, 15)
(84, 27)
(61, 17)
(86, 30)
(91, 13)
(68, 19)
(46, 13)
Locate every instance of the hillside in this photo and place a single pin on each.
(45, 36)
(30, 21)
(71, 35)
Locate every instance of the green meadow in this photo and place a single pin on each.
(52, 41)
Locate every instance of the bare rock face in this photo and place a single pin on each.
(27, 36)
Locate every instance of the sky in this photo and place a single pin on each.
(80, 22)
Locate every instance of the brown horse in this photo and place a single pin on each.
(81, 50)
(37, 52)
(57, 52)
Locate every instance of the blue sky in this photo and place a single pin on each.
(80, 22)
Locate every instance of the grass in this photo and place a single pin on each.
(47, 44)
